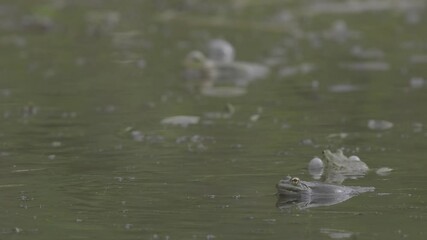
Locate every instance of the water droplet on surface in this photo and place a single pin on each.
(315, 163)
(315, 168)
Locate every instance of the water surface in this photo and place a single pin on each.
(85, 86)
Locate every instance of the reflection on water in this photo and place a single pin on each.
(307, 201)
(85, 87)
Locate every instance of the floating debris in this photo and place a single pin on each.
(417, 82)
(366, 53)
(384, 171)
(126, 40)
(254, 117)
(210, 237)
(356, 6)
(223, 91)
(42, 18)
(379, 124)
(413, 17)
(68, 114)
(107, 109)
(11, 185)
(101, 22)
(128, 226)
(338, 135)
(340, 32)
(137, 135)
(307, 142)
(17, 230)
(418, 59)
(195, 143)
(417, 127)
(366, 66)
(181, 120)
(28, 170)
(336, 234)
(343, 88)
(29, 110)
(154, 138)
(227, 113)
(196, 147)
(56, 144)
(5, 93)
(303, 68)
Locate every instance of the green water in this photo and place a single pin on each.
(84, 86)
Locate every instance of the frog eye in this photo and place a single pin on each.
(295, 180)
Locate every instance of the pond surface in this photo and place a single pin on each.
(85, 85)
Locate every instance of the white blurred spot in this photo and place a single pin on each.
(366, 66)
(56, 144)
(384, 171)
(181, 120)
(417, 82)
(379, 124)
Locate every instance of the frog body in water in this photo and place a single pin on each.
(294, 192)
(219, 67)
(229, 70)
(338, 162)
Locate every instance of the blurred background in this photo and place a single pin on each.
(117, 121)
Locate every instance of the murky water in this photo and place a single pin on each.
(85, 86)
